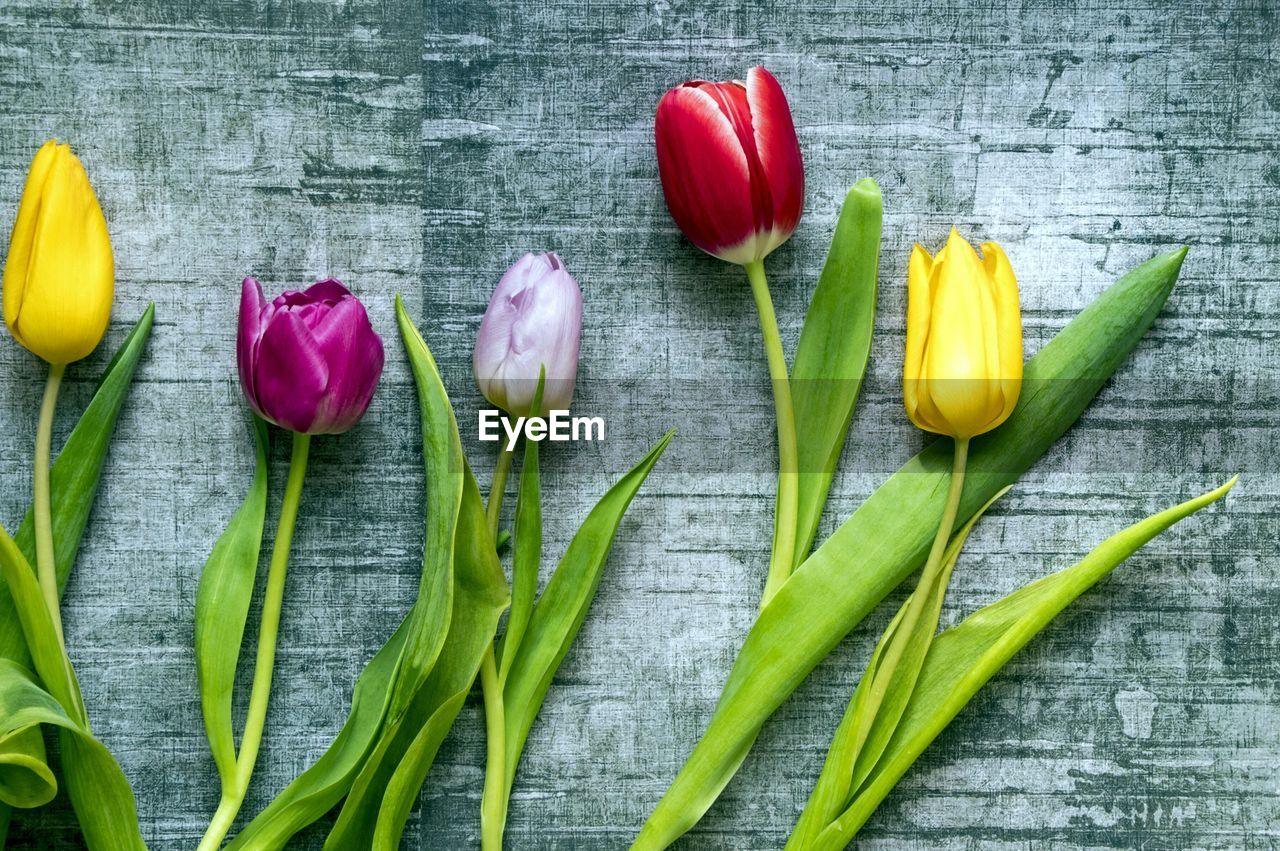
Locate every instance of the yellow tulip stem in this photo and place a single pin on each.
(268, 632)
(46, 559)
(915, 607)
(493, 802)
(786, 509)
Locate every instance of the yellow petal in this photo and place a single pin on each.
(955, 360)
(70, 276)
(1005, 289)
(24, 228)
(918, 297)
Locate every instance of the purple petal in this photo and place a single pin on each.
(354, 353)
(247, 335)
(330, 290)
(290, 373)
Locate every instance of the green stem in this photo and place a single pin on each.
(901, 638)
(788, 498)
(260, 695)
(497, 490)
(46, 559)
(493, 803)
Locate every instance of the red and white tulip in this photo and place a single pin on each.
(730, 165)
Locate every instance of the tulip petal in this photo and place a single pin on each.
(918, 306)
(956, 357)
(290, 373)
(353, 351)
(779, 151)
(24, 229)
(704, 171)
(248, 333)
(1005, 291)
(330, 290)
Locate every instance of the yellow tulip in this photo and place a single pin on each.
(963, 367)
(59, 278)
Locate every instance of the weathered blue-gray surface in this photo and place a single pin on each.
(420, 148)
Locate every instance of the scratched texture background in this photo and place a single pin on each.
(421, 147)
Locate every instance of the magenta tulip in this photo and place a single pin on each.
(309, 361)
(534, 322)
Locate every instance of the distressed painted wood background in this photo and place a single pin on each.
(419, 148)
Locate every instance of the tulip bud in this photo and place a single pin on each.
(730, 165)
(533, 322)
(963, 367)
(309, 361)
(59, 278)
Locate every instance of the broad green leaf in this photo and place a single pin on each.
(25, 779)
(222, 607)
(374, 813)
(888, 537)
(445, 467)
(480, 597)
(314, 792)
(561, 609)
(98, 789)
(847, 765)
(963, 658)
(477, 593)
(831, 357)
(526, 557)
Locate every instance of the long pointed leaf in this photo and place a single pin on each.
(387, 713)
(314, 792)
(846, 765)
(963, 658)
(831, 357)
(445, 465)
(384, 791)
(222, 607)
(561, 609)
(25, 779)
(73, 479)
(888, 537)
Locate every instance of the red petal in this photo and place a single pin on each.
(704, 170)
(779, 150)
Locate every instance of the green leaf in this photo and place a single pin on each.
(831, 357)
(963, 658)
(888, 537)
(480, 598)
(73, 479)
(847, 765)
(561, 609)
(222, 607)
(388, 785)
(314, 792)
(526, 558)
(384, 747)
(25, 779)
(98, 789)
(444, 462)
